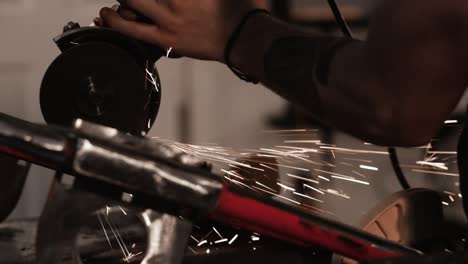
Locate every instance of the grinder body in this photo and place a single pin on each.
(103, 77)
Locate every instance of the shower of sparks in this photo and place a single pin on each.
(347, 164)
(194, 239)
(221, 241)
(268, 167)
(233, 174)
(107, 224)
(168, 53)
(334, 192)
(303, 141)
(365, 167)
(323, 178)
(233, 239)
(437, 173)
(266, 156)
(450, 193)
(291, 131)
(191, 249)
(123, 211)
(241, 184)
(118, 238)
(207, 235)
(130, 256)
(299, 150)
(451, 122)
(308, 197)
(351, 180)
(303, 171)
(287, 199)
(104, 229)
(264, 186)
(286, 187)
(356, 151)
(333, 174)
(437, 165)
(314, 189)
(443, 152)
(151, 78)
(301, 178)
(359, 160)
(359, 174)
(217, 232)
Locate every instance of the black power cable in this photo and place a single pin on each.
(340, 19)
(392, 151)
(397, 168)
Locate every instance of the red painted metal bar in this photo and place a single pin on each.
(237, 207)
(267, 219)
(26, 157)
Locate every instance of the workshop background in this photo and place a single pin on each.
(203, 102)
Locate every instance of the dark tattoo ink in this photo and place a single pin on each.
(299, 64)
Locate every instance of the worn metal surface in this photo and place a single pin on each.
(20, 138)
(112, 163)
(69, 210)
(17, 245)
(133, 164)
(17, 242)
(13, 174)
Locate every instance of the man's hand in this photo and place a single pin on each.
(194, 28)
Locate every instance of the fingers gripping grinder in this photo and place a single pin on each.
(107, 78)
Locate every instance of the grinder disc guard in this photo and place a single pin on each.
(103, 77)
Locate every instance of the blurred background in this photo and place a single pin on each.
(204, 103)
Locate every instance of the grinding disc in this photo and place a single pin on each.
(102, 83)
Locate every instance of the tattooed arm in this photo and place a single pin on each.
(396, 88)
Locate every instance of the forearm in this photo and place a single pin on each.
(394, 89)
(346, 102)
(284, 67)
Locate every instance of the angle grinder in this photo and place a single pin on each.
(104, 77)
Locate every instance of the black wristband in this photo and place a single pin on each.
(232, 41)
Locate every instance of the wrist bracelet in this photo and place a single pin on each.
(232, 41)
